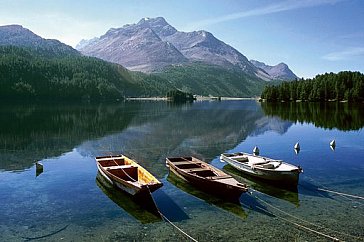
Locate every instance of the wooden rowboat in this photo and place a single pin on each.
(263, 167)
(206, 177)
(127, 174)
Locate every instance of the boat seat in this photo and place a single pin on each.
(240, 158)
(196, 169)
(268, 166)
(260, 162)
(218, 177)
(110, 158)
(185, 163)
(119, 167)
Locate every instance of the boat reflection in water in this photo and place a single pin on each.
(142, 208)
(278, 190)
(230, 206)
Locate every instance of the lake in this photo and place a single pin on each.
(67, 202)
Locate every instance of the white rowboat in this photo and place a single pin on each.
(263, 167)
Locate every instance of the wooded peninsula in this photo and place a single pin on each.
(343, 86)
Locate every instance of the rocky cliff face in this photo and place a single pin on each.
(278, 72)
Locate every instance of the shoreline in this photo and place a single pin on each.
(146, 99)
(198, 98)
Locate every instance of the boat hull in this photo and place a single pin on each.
(131, 186)
(216, 187)
(132, 190)
(285, 177)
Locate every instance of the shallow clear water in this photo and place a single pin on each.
(66, 202)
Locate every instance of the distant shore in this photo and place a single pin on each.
(198, 98)
(146, 99)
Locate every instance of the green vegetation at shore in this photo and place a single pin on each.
(179, 96)
(38, 74)
(210, 80)
(346, 85)
(35, 74)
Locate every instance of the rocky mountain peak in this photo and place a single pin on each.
(280, 71)
(159, 25)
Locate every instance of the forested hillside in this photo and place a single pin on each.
(32, 73)
(344, 85)
(203, 79)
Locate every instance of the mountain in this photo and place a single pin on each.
(135, 47)
(153, 44)
(199, 45)
(278, 72)
(17, 35)
(32, 67)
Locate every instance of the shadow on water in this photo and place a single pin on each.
(252, 203)
(142, 209)
(289, 194)
(168, 207)
(233, 207)
(309, 189)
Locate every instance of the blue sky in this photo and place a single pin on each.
(311, 36)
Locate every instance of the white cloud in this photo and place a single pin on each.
(264, 10)
(347, 54)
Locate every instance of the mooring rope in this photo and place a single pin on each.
(175, 226)
(170, 222)
(311, 230)
(305, 221)
(344, 195)
(341, 193)
(45, 236)
(284, 212)
(299, 225)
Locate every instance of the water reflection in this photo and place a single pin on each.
(29, 133)
(203, 130)
(147, 131)
(328, 115)
(66, 192)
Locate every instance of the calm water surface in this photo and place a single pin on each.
(67, 202)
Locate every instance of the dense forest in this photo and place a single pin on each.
(35, 74)
(344, 85)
